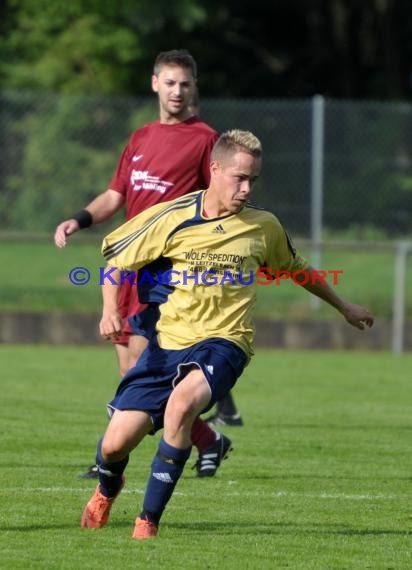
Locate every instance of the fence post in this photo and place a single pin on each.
(399, 297)
(316, 186)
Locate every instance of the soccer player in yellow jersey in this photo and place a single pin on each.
(211, 249)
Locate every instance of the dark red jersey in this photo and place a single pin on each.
(162, 162)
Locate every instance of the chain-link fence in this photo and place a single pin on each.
(59, 151)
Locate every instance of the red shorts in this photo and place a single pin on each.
(129, 305)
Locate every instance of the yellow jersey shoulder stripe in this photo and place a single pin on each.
(117, 247)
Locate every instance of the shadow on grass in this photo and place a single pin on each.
(229, 528)
(280, 529)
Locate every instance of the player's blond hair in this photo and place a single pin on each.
(234, 141)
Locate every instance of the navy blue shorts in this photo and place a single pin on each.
(144, 323)
(148, 385)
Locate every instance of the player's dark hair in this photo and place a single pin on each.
(178, 57)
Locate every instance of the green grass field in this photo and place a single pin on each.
(319, 479)
(34, 277)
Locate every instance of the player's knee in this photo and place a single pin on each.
(181, 411)
(112, 450)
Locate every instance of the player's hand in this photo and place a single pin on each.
(111, 325)
(357, 316)
(64, 230)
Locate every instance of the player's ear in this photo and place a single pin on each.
(215, 166)
(155, 83)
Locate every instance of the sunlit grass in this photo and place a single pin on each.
(319, 477)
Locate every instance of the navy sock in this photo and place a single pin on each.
(110, 474)
(167, 467)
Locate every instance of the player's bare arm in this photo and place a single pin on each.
(357, 316)
(111, 323)
(100, 209)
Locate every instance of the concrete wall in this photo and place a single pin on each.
(60, 328)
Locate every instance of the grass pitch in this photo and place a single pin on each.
(319, 479)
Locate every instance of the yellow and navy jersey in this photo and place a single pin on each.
(211, 265)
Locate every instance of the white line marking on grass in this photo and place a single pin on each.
(344, 496)
(367, 497)
(321, 495)
(278, 494)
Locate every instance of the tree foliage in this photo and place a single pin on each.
(66, 69)
(283, 48)
(83, 46)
